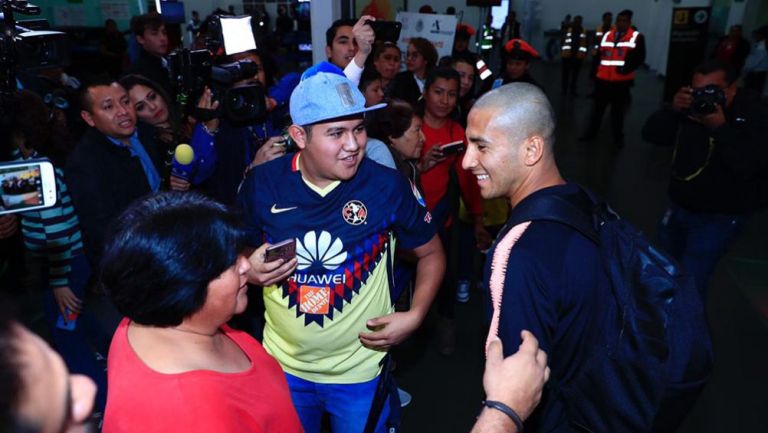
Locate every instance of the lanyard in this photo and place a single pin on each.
(695, 174)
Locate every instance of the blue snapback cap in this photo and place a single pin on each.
(325, 93)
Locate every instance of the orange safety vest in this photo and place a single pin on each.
(599, 33)
(567, 48)
(613, 54)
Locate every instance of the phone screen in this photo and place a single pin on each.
(21, 187)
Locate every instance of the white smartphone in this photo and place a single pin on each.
(27, 185)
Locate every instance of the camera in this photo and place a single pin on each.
(387, 31)
(193, 70)
(706, 98)
(24, 46)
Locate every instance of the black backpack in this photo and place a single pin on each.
(646, 373)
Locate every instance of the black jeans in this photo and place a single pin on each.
(570, 73)
(615, 94)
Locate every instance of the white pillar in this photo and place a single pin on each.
(322, 15)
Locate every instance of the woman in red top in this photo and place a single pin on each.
(173, 269)
(441, 93)
(440, 98)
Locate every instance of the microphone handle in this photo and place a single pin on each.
(168, 166)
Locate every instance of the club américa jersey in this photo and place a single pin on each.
(345, 236)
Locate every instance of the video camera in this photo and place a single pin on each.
(706, 98)
(24, 46)
(193, 70)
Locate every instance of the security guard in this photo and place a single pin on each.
(572, 51)
(516, 59)
(600, 31)
(487, 38)
(622, 51)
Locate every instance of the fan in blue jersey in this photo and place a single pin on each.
(329, 314)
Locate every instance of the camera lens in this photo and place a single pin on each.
(703, 107)
(236, 101)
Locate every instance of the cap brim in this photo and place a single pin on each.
(375, 107)
(357, 113)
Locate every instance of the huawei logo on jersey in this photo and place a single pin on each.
(322, 249)
(328, 277)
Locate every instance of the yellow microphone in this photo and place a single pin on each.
(183, 157)
(184, 154)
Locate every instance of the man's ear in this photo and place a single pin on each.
(87, 117)
(140, 40)
(532, 150)
(327, 52)
(298, 135)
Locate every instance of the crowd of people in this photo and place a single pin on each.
(385, 181)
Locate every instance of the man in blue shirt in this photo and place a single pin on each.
(543, 276)
(114, 163)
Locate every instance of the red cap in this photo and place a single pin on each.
(519, 49)
(466, 29)
(426, 9)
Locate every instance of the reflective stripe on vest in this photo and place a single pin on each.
(613, 54)
(567, 47)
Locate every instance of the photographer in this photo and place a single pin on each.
(240, 147)
(719, 167)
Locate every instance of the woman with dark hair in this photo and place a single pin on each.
(443, 177)
(466, 69)
(154, 107)
(421, 58)
(174, 268)
(399, 127)
(386, 60)
(52, 237)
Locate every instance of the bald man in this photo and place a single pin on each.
(543, 276)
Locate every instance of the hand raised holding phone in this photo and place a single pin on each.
(452, 148)
(264, 272)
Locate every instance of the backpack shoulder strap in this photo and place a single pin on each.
(560, 210)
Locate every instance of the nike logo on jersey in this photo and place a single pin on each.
(275, 209)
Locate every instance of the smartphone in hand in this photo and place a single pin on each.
(452, 148)
(28, 185)
(285, 250)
